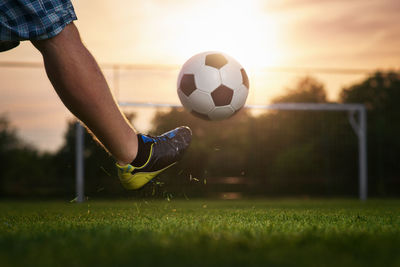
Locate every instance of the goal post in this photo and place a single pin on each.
(357, 117)
(79, 162)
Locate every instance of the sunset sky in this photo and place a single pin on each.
(304, 34)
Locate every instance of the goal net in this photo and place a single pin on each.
(284, 149)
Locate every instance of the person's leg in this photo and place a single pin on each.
(80, 84)
(83, 89)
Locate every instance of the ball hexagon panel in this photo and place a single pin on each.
(184, 100)
(216, 60)
(207, 79)
(187, 84)
(201, 102)
(191, 66)
(239, 97)
(222, 96)
(245, 79)
(220, 113)
(231, 75)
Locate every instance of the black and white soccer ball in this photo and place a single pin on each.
(213, 85)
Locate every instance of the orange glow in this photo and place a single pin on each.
(305, 34)
(238, 28)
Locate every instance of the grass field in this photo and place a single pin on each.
(201, 233)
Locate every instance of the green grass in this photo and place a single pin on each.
(201, 233)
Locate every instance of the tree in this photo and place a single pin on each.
(275, 153)
(218, 148)
(101, 178)
(381, 94)
(8, 141)
(302, 148)
(307, 90)
(23, 170)
(279, 151)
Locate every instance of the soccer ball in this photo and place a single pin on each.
(213, 85)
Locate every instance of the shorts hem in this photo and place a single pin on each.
(27, 20)
(54, 32)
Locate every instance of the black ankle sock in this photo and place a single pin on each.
(143, 152)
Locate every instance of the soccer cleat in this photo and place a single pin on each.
(165, 151)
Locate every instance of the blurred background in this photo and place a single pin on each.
(294, 51)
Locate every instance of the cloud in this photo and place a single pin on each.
(323, 31)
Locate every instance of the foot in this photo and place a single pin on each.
(165, 151)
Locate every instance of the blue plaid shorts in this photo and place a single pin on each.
(32, 20)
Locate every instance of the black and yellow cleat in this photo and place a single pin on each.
(165, 151)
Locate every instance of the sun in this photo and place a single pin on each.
(238, 28)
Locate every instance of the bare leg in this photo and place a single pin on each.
(79, 82)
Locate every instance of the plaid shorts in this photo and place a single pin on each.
(32, 20)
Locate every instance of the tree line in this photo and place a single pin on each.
(274, 153)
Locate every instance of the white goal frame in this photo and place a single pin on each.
(359, 126)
